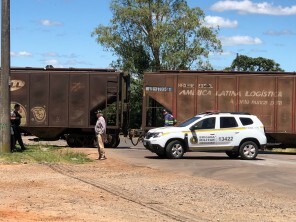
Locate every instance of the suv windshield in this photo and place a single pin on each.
(189, 121)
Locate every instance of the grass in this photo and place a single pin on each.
(287, 150)
(45, 154)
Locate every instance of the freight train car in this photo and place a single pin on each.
(269, 95)
(61, 103)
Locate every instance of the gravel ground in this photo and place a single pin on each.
(113, 190)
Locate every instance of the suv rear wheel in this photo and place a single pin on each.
(175, 150)
(248, 150)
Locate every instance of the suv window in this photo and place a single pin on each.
(208, 123)
(246, 121)
(228, 122)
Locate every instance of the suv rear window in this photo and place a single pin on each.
(246, 121)
(228, 122)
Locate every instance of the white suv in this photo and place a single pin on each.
(238, 134)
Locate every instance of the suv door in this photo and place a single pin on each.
(202, 135)
(227, 132)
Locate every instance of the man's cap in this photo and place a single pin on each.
(99, 111)
(164, 111)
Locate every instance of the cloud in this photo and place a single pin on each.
(54, 54)
(224, 53)
(55, 63)
(279, 33)
(248, 7)
(50, 54)
(256, 50)
(240, 40)
(213, 21)
(59, 61)
(47, 22)
(21, 54)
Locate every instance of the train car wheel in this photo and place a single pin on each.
(75, 141)
(89, 141)
(112, 141)
(70, 141)
(79, 141)
(108, 141)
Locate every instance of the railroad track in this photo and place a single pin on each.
(170, 211)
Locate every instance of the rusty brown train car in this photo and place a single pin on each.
(269, 95)
(58, 102)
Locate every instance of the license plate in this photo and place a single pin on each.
(144, 143)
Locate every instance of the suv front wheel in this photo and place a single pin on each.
(248, 150)
(175, 149)
(232, 154)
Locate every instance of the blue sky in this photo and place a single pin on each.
(58, 32)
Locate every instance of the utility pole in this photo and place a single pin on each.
(5, 132)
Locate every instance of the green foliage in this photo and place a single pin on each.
(45, 154)
(136, 101)
(157, 34)
(249, 64)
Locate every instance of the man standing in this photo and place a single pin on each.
(15, 119)
(169, 119)
(100, 130)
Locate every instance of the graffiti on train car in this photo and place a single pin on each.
(255, 97)
(39, 114)
(76, 86)
(16, 84)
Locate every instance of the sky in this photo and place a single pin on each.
(58, 32)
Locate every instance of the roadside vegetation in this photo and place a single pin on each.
(45, 154)
(287, 150)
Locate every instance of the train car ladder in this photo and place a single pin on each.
(112, 102)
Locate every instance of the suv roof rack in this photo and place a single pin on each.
(237, 113)
(218, 112)
(209, 112)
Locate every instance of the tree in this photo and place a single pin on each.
(136, 101)
(157, 34)
(149, 35)
(249, 64)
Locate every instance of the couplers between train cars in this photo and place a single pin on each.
(136, 133)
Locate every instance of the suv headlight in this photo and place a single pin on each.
(157, 134)
(153, 135)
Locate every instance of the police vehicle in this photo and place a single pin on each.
(238, 134)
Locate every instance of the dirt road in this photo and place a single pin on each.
(112, 190)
